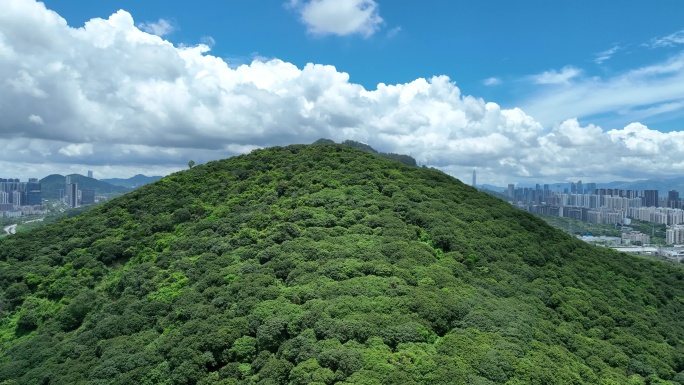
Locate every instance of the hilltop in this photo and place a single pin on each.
(51, 184)
(322, 264)
(405, 159)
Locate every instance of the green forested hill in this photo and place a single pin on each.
(321, 265)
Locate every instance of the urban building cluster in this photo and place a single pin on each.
(20, 198)
(629, 237)
(675, 235)
(73, 197)
(588, 203)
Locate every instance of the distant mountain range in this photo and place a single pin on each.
(51, 184)
(663, 185)
(132, 182)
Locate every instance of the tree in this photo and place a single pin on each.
(191, 163)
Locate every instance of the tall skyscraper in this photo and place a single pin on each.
(673, 199)
(33, 192)
(580, 187)
(650, 198)
(474, 179)
(72, 195)
(511, 190)
(591, 188)
(16, 198)
(90, 174)
(87, 197)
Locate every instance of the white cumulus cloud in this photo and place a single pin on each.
(339, 17)
(165, 105)
(35, 119)
(160, 27)
(77, 149)
(493, 81)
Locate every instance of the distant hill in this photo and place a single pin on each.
(495, 193)
(132, 182)
(660, 184)
(491, 187)
(51, 184)
(327, 265)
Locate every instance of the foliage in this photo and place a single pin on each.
(657, 231)
(405, 159)
(578, 227)
(320, 265)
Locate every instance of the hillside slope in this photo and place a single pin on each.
(321, 265)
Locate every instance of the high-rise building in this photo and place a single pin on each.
(33, 192)
(87, 197)
(673, 199)
(16, 198)
(72, 195)
(591, 188)
(90, 174)
(34, 198)
(474, 179)
(67, 197)
(511, 190)
(580, 187)
(650, 198)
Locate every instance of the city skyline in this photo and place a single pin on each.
(19, 198)
(554, 186)
(606, 206)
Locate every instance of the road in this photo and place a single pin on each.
(11, 229)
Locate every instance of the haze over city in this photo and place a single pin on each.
(129, 87)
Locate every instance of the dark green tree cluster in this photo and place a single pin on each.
(326, 265)
(405, 159)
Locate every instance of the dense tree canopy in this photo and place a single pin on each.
(326, 265)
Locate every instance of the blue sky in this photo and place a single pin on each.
(468, 41)
(568, 77)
